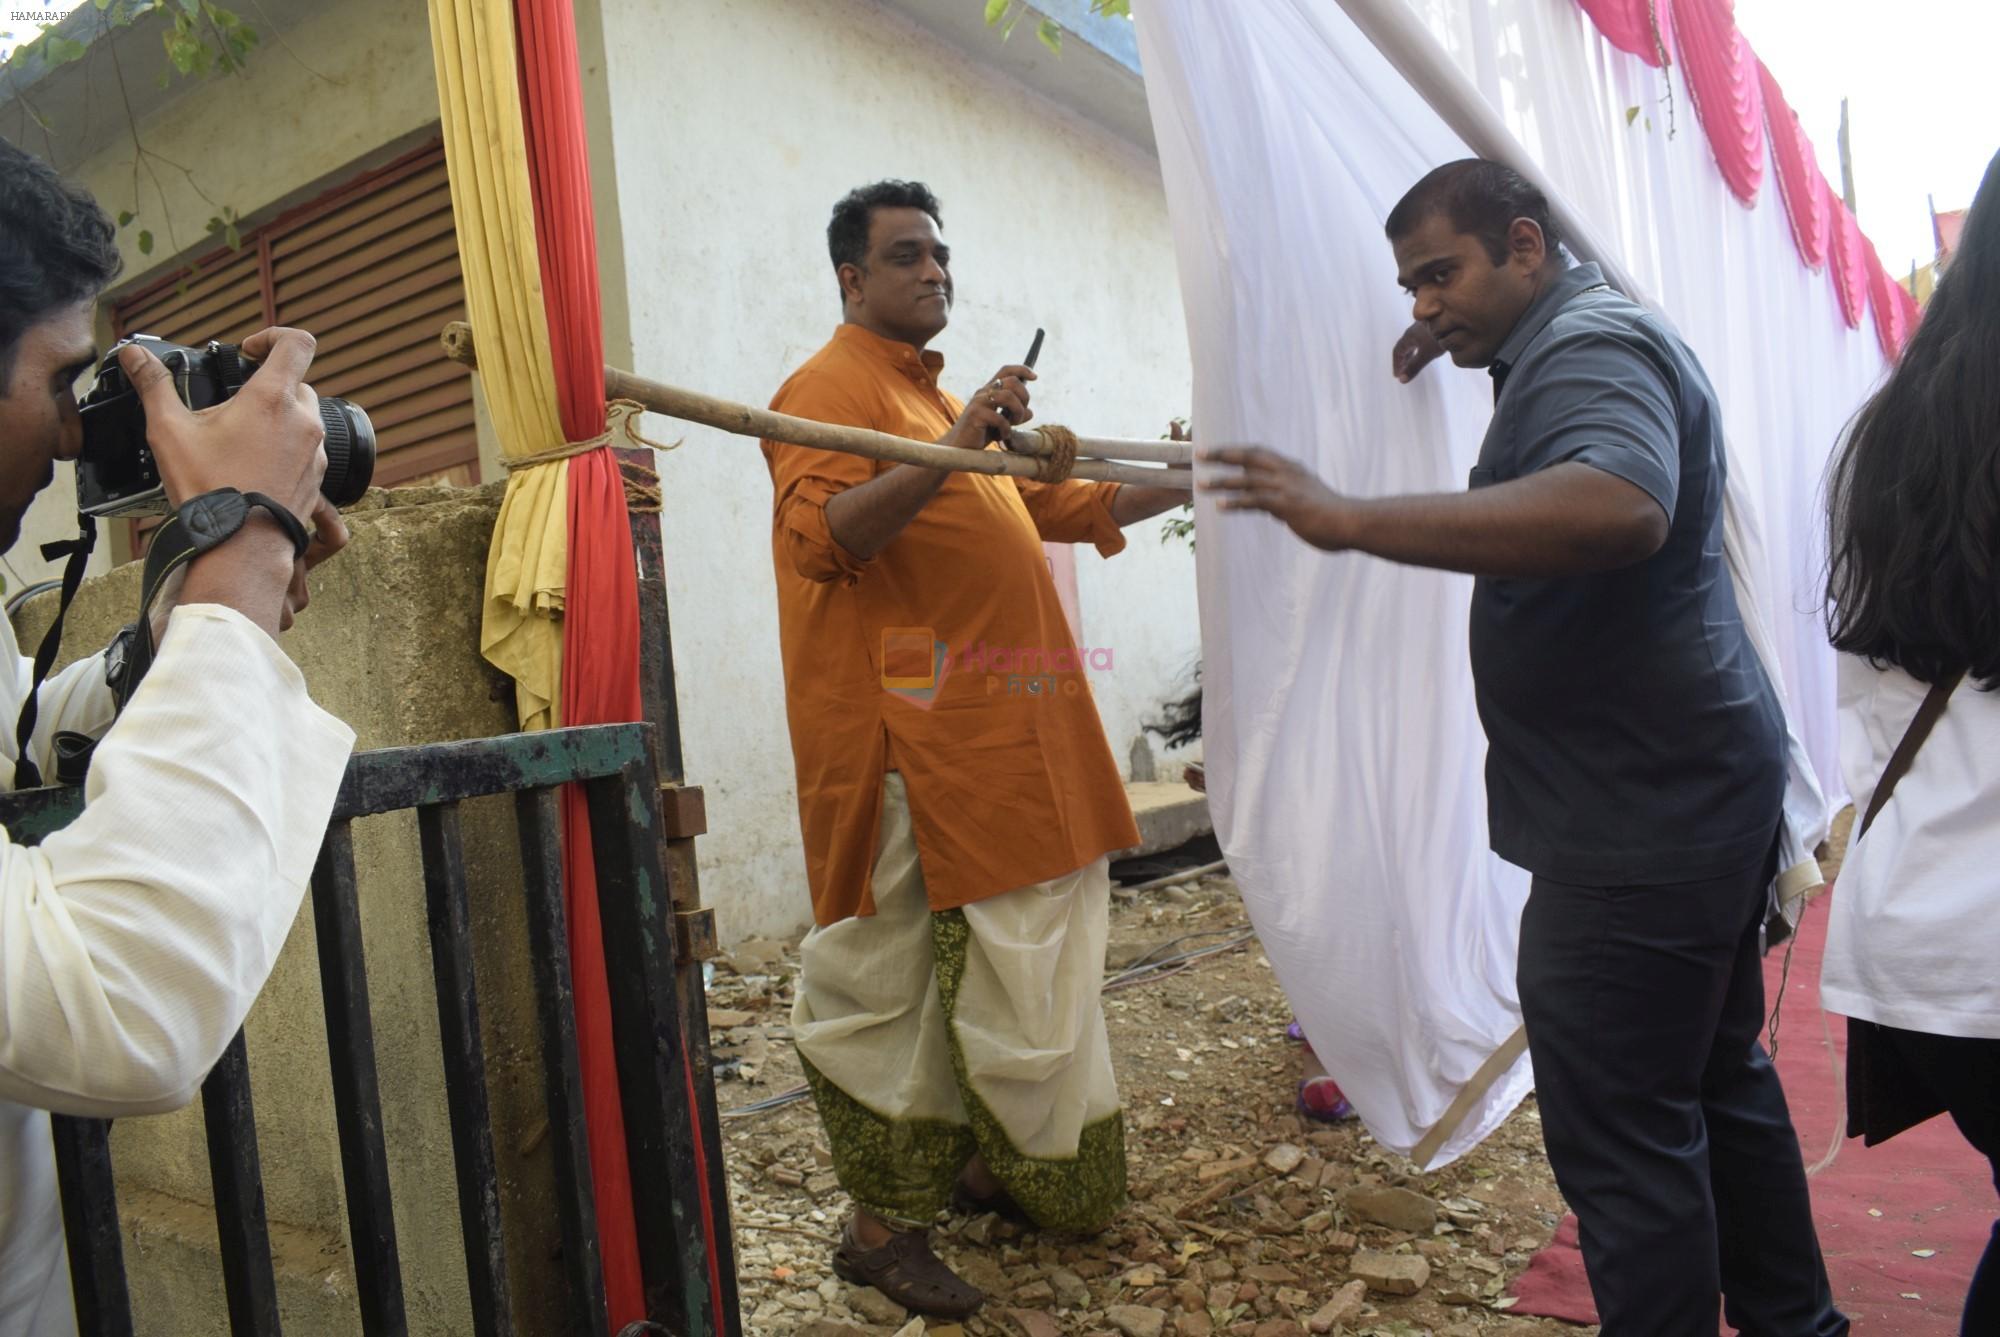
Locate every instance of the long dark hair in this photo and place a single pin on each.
(1913, 577)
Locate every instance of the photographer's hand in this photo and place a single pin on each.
(268, 439)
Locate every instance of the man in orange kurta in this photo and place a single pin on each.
(956, 793)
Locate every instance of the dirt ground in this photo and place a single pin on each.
(1236, 1224)
(1244, 1219)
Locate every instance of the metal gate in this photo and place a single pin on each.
(680, 1196)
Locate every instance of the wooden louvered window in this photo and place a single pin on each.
(371, 270)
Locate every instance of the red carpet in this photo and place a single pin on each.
(1876, 1206)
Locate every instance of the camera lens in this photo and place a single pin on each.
(350, 451)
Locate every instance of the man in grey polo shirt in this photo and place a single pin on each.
(1636, 753)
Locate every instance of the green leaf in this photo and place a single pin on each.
(995, 9)
(145, 243)
(1631, 115)
(1051, 34)
(59, 50)
(125, 217)
(233, 237)
(192, 8)
(183, 51)
(1007, 29)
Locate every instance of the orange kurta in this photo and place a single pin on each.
(945, 657)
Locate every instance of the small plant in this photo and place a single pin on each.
(1005, 14)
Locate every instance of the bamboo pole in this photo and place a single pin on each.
(742, 420)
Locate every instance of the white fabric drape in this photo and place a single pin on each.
(1343, 749)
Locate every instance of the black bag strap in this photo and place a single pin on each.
(1906, 750)
(27, 775)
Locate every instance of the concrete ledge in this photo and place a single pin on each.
(1169, 815)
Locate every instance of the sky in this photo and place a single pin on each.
(1922, 78)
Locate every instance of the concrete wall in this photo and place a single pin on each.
(733, 129)
(390, 644)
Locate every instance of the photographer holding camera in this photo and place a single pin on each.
(133, 943)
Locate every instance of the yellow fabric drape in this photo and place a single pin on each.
(472, 46)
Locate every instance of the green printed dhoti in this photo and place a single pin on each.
(930, 1035)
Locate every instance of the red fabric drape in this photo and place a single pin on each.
(600, 669)
(1800, 185)
(1721, 72)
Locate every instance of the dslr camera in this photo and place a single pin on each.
(116, 474)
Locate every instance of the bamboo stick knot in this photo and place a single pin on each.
(1061, 459)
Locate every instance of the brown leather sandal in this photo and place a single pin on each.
(907, 1272)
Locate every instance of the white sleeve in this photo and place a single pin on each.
(75, 699)
(133, 942)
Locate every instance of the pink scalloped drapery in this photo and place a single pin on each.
(1891, 324)
(1850, 261)
(1721, 72)
(1912, 313)
(1740, 107)
(1800, 184)
(1642, 27)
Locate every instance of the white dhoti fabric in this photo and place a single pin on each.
(929, 1035)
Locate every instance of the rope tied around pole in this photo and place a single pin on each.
(621, 417)
(1061, 459)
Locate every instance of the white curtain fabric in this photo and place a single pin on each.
(1344, 754)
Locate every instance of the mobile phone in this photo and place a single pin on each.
(1034, 351)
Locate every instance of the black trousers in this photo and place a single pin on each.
(1964, 1076)
(1663, 1117)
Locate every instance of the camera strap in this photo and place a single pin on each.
(27, 775)
(202, 524)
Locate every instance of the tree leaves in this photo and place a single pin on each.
(1048, 31)
(225, 224)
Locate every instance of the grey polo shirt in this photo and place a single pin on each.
(1632, 735)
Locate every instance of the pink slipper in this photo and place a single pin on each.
(1320, 1100)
